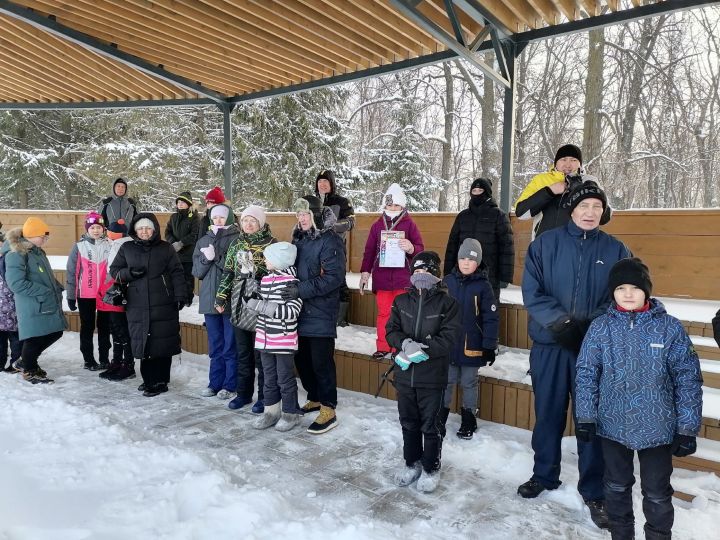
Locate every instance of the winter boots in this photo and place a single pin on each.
(269, 418)
(468, 424)
(36, 376)
(126, 370)
(226, 394)
(325, 421)
(239, 402)
(428, 481)
(407, 475)
(91, 365)
(442, 420)
(598, 514)
(155, 389)
(530, 489)
(342, 314)
(115, 366)
(311, 406)
(258, 407)
(287, 421)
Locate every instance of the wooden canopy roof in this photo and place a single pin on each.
(117, 52)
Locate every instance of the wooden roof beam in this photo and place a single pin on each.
(384, 13)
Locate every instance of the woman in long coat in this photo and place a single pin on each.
(156, 292)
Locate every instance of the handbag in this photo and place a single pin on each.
(240, 316)
(116, 295)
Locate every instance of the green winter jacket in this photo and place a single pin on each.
(38, 295)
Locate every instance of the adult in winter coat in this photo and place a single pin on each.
(639, 388)
(564, 288)
(8, 321)
(155, 295)
(244, 264)
(547, 197)
(38, 295)
(82, 282)
(326, 191)
(423, 326)
(209, 260)
(486, 223)
(118, 207)
(321, 272)
(388, 282)
(182, 231)
(468, 284)
(213, 197)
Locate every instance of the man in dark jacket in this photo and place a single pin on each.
(716, 327)
(565, 286)
(182, 232)
(325, 190)
(321, 271)
(423, 327)
(118, 208)
(490, 226)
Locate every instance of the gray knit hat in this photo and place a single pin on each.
(281, 255)
(470, 249)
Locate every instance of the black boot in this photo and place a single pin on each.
(468, 424)
(110, 370)
(91, 365)
(125, 371)
(342, 314)
(598, 513)
(530, 489)
(442, 420)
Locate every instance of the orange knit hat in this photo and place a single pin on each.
(34, 226)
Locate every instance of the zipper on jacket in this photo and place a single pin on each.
(167, 291)
(418, 321)
(579, 273)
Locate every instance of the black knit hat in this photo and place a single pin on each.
(328, 175)
(185, 196)
(484, 183)
(630, 271)
(428, 261)
(568, 150)
(587, 190)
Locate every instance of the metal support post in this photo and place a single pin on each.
(508, 142)
(227, 140)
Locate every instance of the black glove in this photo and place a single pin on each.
(683, 445)
(569, 333)
(290, 292)
(503, 285)
(180, 304)
(137, 271)
(72, 304)
(488, 356)
(585, 431)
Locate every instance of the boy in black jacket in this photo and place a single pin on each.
(423, 324)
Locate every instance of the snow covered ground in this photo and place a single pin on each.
(89, 459)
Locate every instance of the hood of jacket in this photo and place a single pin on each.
(16, 242)
(154, 239)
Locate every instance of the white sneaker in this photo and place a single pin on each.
(269, 417)
(287, 421)
(208, 392)
(407, 475)
(226, 394)
(428, 482)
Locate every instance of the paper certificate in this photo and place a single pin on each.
(391, 255)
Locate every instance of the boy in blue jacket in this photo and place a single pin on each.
(638, 388)
(475, 347)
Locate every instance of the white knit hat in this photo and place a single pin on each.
(144, 222)
(256, 212)
(395, 195)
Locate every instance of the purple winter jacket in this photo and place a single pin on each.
(8, 315)
(390, 279)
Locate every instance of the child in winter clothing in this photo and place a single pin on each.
(182, 232)
(123, 364)
(38, 295)
(276, 338)
(389, 282)
(209, 260)
(8, 322)
(423, 326)
(638, 388)
(82, 284)
(469, 285)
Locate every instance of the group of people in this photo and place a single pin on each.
(599, 337)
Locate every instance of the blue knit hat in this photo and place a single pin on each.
(281, 255)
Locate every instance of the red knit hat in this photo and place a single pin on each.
(215, 196)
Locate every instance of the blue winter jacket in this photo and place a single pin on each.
(566, 274)
(320, 267)
(638, 378)
(479, 316)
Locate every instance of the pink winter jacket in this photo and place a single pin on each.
(83, 276)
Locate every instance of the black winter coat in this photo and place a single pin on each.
(431, 317)
(152, 299)
(716, 327)
(491, 227)
(320, 267)
(183, 226)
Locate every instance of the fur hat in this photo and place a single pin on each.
(215, 196)
(630, 271)
(395, 195)
(470, 249)
(281, 255)
(587, 190)
(568, 150)
(254, 211)
(35, 226)
(428, 261)
(93, 218)
(483, 183)
(185, 196)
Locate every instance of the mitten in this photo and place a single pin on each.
(177, 245)
(402, 360)
(268, 308)
(180, 305)
(414, 350)
(683, 445)
(488, 356)
(568, 333)
(585, 431)
(72, 304)
(209, 252)
(290, 292)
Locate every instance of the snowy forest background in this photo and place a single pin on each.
(642, 99)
